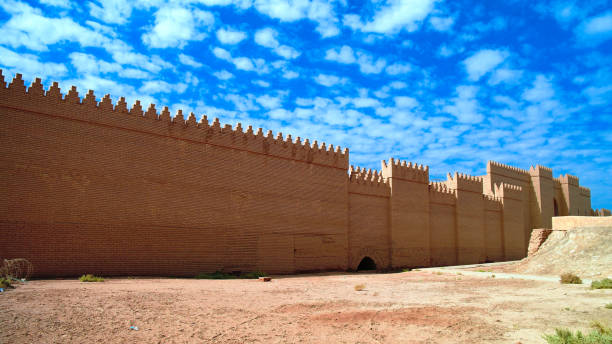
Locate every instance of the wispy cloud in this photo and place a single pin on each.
(482, 62)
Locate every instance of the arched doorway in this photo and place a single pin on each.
(556, 207)
(366, 263)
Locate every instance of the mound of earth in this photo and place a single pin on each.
(584, 251)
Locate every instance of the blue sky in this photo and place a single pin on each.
(449, 84)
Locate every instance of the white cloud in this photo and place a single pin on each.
(261, 83)
(56, 3)
(223, 75)
(89, 64)
(365, 102)
(596, 30)
(222, 54)
(344, 55)
(329, 80)
(189, 61)
(398, 85)
(395, 16)
(483, 62)
(366, 62)
(242, 4)
(29, 28)
(398, 68)
(112, 11)
(442, 24)
(541, 90)
(405, 102)
(158, 86)
(268, 38)
(505, 75)
(268, 102)
(230, 36)
(465, 105)
(598, 95)
(242, 103)
(175, 26)
(287, 52)
(29, 65)
(319, 11)
(242, 63)
(290, 74)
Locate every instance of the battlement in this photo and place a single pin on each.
(584, 191)
(508, 191)
(52, 103)
(368, 181)
(439, 192)
(540, 171)
(405, 170)
(492, 203)
(508, 171)
(568, 179)
(464, 182)
(601, 212)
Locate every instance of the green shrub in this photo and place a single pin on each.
(223, 275)
(605, 283)
(5, 283)
(599, 335)
(609, 305)
(91, 278)
(570, 278)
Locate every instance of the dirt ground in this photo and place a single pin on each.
(408, 307)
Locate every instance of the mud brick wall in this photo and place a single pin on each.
(92, 186)
(116, 193)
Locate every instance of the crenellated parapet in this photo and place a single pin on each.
(407, 171)
(508, 191)
(584, 191)
(440, 193)
(464, 182)
(601, 212)
(492, 203)
(540, 171)
(568, 179)
(502, 170)
(368, 182)
(53, 103)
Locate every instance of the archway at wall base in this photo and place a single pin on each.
(366, 264)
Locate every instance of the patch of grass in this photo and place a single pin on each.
(5, 283)
(223, 275)
(91, 278)
(406, 270)
(609, 306)
(360, 287)
(605, 283)
(599, 335)
(570, 278)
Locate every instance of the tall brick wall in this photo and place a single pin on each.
(115, 193)
(95, 187)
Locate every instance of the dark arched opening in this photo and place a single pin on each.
(366, 263)
(556, 207)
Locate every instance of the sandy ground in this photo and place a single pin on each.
(408, 307)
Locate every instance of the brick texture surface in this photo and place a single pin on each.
(94, 187)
